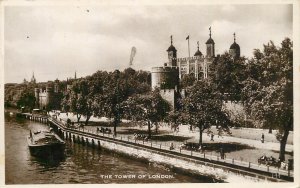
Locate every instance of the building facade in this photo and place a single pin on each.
(49, 97)
(167, 77)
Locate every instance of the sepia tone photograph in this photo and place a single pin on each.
(148, 93)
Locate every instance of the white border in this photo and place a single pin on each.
(296, 49)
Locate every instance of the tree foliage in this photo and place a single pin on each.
(149, 108)
(102, 93)
(229, 75)
(26, 100)
(268, 90)
(202, 108)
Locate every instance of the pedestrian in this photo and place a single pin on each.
(212, 137)
(262, 138)
(222, 153)
(171, 146)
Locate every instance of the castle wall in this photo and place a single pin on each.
(43, 99)
(169, 95)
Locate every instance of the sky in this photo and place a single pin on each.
(55, 41)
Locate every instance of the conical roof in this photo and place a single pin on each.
(171, 48)
(198, 53)
(235, 46)
(210, 41)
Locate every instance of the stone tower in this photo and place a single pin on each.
(172, 54)
(234, 49)
(210, 46)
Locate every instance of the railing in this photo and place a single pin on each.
(276, 172)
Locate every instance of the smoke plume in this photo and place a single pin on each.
(133, 52)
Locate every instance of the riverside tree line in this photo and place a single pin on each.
(263, 84)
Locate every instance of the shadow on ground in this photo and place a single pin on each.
(108, 124)
(227, 147)
(138, 131)
(170, 138)
(291, 153)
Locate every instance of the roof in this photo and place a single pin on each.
(198, 53)
(171, 48)
(235, 46)
(210, 41)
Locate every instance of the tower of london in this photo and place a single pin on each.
(167, 77)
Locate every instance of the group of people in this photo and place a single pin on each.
(140, 136)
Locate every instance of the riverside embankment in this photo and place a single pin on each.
(187, 161)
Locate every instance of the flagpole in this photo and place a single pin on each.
(189, 45)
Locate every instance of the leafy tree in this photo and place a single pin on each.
(102, 93)
(268, 94)
(202, 108)
(80, 99)
(174, 118)
(228, 76)
(27, 100)
(187, 80)
(150, 109)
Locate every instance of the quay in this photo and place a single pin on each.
(196, 163)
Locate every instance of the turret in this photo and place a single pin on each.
(198, 53)
(172, 54)
(210, 46)
(234, 49)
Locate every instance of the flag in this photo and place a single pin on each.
(188, 37)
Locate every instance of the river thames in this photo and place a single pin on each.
(80, 165)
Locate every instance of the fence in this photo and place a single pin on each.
(276, 172)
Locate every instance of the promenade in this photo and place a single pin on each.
(213, 157)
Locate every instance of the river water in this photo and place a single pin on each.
(80, 165)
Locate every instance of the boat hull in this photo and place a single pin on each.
(53, 150)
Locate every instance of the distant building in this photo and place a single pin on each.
(48, 98)
(33, 80)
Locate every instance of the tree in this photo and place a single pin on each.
(150, 109)
(80, 99)
(174, 118)
(187, 80)
(202, 108)
(27, 100)
(229, 75)
(268, 94)
(102, 93)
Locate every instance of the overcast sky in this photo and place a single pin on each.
(56, 41)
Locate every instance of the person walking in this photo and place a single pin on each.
(262, 138)
(222, 153)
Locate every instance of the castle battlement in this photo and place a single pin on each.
(188, 58)
(164, 69)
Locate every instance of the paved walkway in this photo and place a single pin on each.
(269, 148)
(163, 146)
